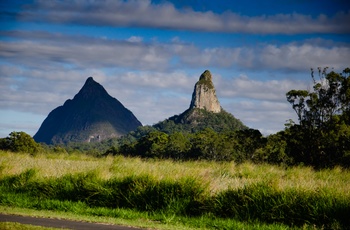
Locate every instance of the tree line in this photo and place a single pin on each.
(320, 138)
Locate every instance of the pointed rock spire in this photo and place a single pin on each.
(204, 94)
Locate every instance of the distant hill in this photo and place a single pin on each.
(92, 115)
(204, 112)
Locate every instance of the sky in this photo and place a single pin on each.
(149, 54)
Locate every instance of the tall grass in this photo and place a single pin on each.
(247, 192)
(218, 176)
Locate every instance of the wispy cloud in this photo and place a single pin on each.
(268, 90)
(39, 49)
(48, 48)
(142, 13)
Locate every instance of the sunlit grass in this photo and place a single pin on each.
(167, 189)
(217, 176)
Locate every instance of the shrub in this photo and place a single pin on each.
(20, 142)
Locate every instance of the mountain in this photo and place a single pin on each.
(92, 115)
(204, 112)
(204, 94)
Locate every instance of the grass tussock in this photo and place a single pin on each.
(296, 196)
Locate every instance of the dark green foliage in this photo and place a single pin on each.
(19, 142)
(322, 137)
(248, 141)
(204, 145)
(207, 144)
(254, 203)
(274, 152)
(179, 145)
(195, 120)
(153, 145)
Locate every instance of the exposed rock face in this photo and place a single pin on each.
(204, 112)
(92, 115)
(204, 95)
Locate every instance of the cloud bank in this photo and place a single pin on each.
(143, 13)
(82, 51)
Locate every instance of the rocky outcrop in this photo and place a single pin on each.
(204, 112)
(204, 94)
(92, 115)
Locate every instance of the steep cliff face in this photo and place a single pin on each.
(204, 112)
(92, 115)
(204, 94)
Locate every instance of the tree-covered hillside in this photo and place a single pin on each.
(195, 120)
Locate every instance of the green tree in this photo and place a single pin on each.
(274, 152)
(247, 142)
(322, 136)
(204, 145)
(210, 145)
(178, 145)
(21, 142)
(152, 145)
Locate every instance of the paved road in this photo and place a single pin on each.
(56, 223)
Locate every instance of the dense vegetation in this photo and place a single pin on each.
(197, 194)
(195, 120)
(322, 137)
(19, 142)
(206, 144)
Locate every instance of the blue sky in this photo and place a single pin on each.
(149, 54)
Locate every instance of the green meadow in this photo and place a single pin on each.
(166, 194)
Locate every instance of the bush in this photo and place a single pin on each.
(20, 142)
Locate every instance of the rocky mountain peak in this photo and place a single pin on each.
(92, 115)
(206, 75)
(90, 82)
(91, 89)
(204, 94)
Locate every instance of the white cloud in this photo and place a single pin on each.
(267, 116)
(260, 104)
(142, 13)
(53, 49)
(158, 80)
(292, 56)
(135, 39)
(272, 90)
(41, 49)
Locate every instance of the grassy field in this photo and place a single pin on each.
(177, 195)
